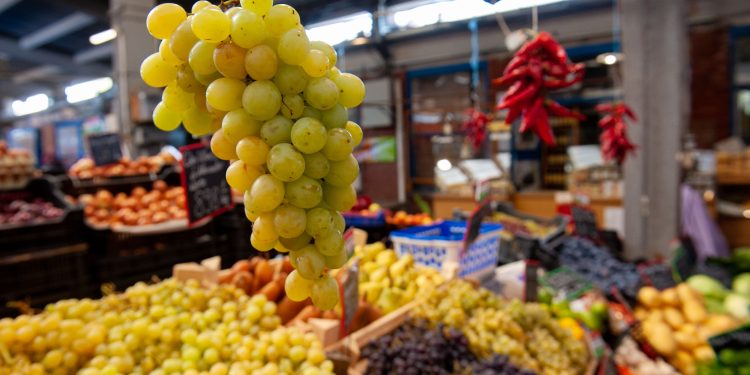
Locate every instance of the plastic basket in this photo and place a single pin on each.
(362, 221)
(438, 244)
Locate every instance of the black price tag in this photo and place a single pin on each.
(105, 148)
(474, 224)
(659, 276)
(350, 297)
(585, 222)
(684, 259)
(566, 283)
(737, 340)
(531, 281)
(204, 180)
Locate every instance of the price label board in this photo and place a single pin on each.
(585, 222)
(566, 283)
(732, 347)
(349, 289)
(105, 148)
(659, 276)
(203, 178)
(474, 223)
(684, 259)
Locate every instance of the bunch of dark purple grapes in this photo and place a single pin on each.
(414, 348)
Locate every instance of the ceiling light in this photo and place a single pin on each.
(32, 104)
(87, 90)
(444, 165)
(103, 37)
(609, 58)
(342, 29)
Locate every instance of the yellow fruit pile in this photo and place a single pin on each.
(677, 325)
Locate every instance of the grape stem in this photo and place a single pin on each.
(226, 4)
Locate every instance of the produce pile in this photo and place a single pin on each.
(16, 167)
(513, 225)
(415, 348)
(720, 300)
(141, 207)
(403, 219)
(277, 108)
(730, 362)
(86, 168)
(28, 212)
(390, 282)
(164, 328)
(599, 266)
(628, 355)
(526, 333)
(677, 325)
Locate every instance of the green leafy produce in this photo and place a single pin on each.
(738, 305)
(707, 286)
(741, 284)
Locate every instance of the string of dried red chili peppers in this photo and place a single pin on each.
(475, 127)
(538, 66)
(614, 138)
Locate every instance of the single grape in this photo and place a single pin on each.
(339, 198)
(296, 243)
(241, 176)
(166, 53)
(327, 50)
(252, 150)
(309, 262)
(355, 131)
(290, 221)
(231, 12)
(221, 147)
(197, 121)
(315, 63)
(163, 19)
(156, 72)
(304, 192)
(259, 7)
(297, 287)
(329, 243)
(261, 245)
(309, 135)
(277, 130)
(351, 90)
(335, 117)
(280, 18)
(264, 228)
(290, 79)
(312, 113)
(166, 119)
(343, 173)
(266, 193)
(285, 163)
(261, 100)
(333, 73)
(211, 24)
(319, 220)
(183, 40)
(321, 93)
(325, 293)
(198, 5)
(339, 145)
(238, 124)
(225, 94)
(337, 260)
(248, 28)
(294, 47)
(201, 58)
(261, 62)
(206, 79)
(316, 165)
(229, 58)
(186, 79)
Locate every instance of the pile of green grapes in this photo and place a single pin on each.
(277, 108)
(525, 332)
(165, 328)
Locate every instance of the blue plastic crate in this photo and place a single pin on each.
(362, 221)
(439, 244)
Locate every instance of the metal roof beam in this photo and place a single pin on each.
(5, 4)
(40, 56)
(57, 30)
(94, 53)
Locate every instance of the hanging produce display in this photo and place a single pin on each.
(475, 127)
(614, 138)
(538, 66)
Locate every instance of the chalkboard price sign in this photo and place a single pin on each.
(736, 340)
(203, 178)
(105, 148)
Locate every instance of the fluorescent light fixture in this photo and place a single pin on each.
(88, 90)
(746, 214)
(103, 37)
(444, 165)
(32, 104)
(609, 58)
(342, 29)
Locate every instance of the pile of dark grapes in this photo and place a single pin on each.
(599, 266)
(414, 348)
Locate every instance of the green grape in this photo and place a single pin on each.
(285, 163)
(252, 150)
(329, 243)
(206, 79)
(221, 147)
(277, 130)
(316, 165)
(225, 94)
(163, 19)
(338, 221)
(198, 5)
(343, 173)
(315, 63)
(319, 221)
(261, 62)
(201, 58)
(337, 260)
(238, 124)
(351, 90)
(312, 113)
(156, 72)
(250, 214)
(166, 119)
(293, 47)
(339, 198)
(261, 100)
(261, 245)
(197, 121)
(292, 106)
(264, 228)
(240, 175)
(231, 12)
(309, 135)
(304, 192)
(266, 193)
(329, 52)
(183, 40)
(280, 18)
(335, 117)
(248, 28)
(260, 7)
(290, 79)
(228, 59)
(309, 262)
(297, 289)
(333, 73)
(186, 79)
(176, 98)
(296, 243)
(325, 295)
(211, 25)
(290, 221)
(321, 93)
(339, 145)
(167, 55)
(355, 131)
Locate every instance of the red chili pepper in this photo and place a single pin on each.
(554, 69)
(614, 139)
(515, 74)
(530, 115)
(523, 95)
(543, 130)
(513, 114)
(514, 63)
(558, 110)
(553, 47)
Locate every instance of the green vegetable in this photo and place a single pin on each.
(738, 305)
(741, 284)
(707, 286)
(714, 305)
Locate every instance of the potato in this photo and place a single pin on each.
(720, 323)
(648, 296)
(686, 294)
(686, 341)
(704, 354)
(673, 317)
(661, 338)
(694, 311)
(669, 297)
(640, 313)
